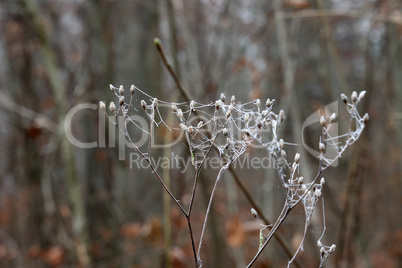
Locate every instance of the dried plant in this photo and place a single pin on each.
(231, 128)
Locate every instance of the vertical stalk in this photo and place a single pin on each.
(166, 198)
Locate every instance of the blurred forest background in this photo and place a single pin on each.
(63, 206)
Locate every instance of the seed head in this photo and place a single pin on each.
(174, 107)
(200, 124)
(121, 90)
(192, 105)
(228, 114)
(354, 97)
(132, 89)
(190, 130)
(297, 158)
(300, 180)
(268, 103)
(155, 103)
(281, 115)
(247, 117)
(332, 117)
(332, 248)
(322, 181)
(223, 98)
(121, 100)
(112, 107)
(111, 87)
(317, 192)
(246, 132)
(143, 104)
(229, 143)
(344, 98)
(362, 94)
(233, 100)
(322, 121)
(183, 126)
(283, 154)
(322, 252)
(281, 143)
(265, 113)
(180, 114)
(102, 105)
(366, 118)
(257, 102)
(225, 132)
(217, 104)
(259, 124)
(230, 109)
(322, 147)
(254, 213)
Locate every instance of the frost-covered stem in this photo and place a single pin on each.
(306, 225)
(151, 127)
(221, 172)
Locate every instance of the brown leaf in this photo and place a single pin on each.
(33, 131)
(131, 230)
(65, 211)
(34, 251)
(152, 231)
(53, 256)
(297, 4)
(178, 258)
(236, 234)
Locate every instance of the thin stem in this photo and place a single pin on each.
(221, 171)
(192, 240)
(306, 225)
(151, 127)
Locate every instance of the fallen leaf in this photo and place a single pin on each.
(53, 256)
(236, 234)
(131, 230)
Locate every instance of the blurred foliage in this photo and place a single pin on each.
(64, 206)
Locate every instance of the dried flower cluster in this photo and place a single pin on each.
(230, 128)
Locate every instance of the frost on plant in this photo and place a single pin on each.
(229, 128)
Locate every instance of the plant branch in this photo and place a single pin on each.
(241, 186)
